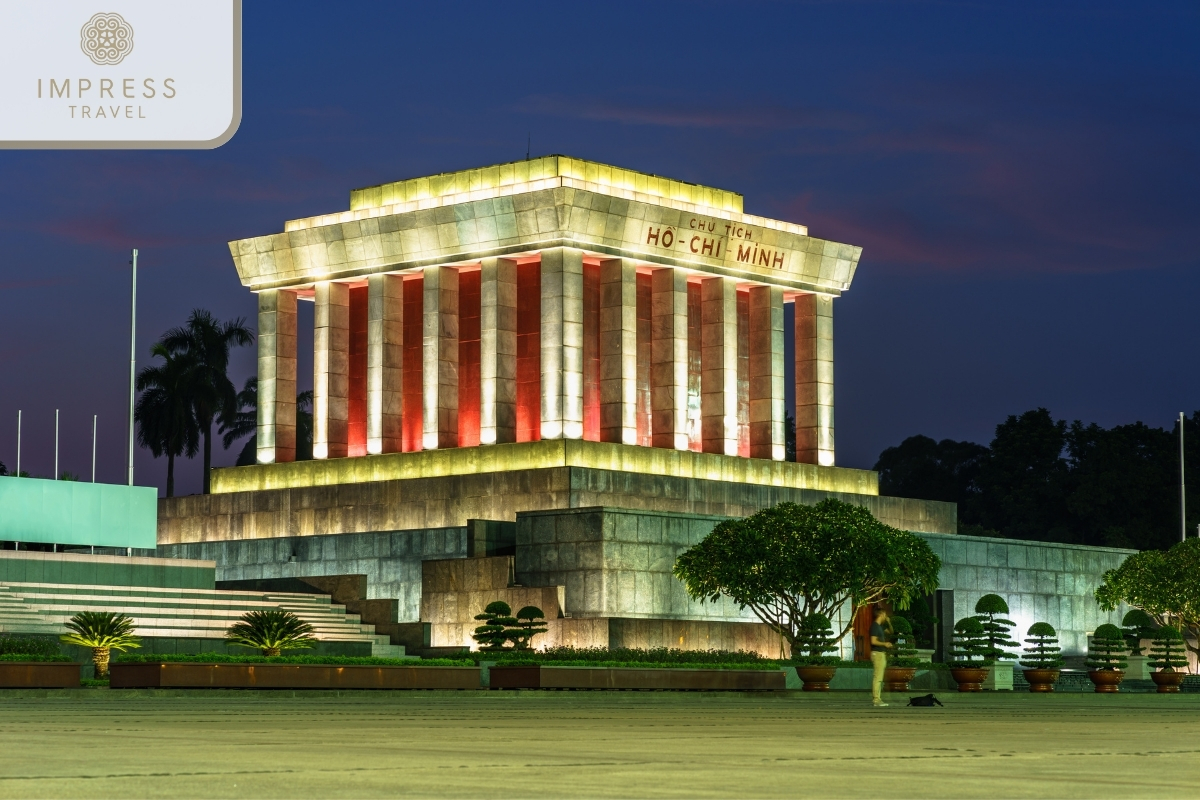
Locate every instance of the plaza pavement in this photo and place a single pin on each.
(260, 744)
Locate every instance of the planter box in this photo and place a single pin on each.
(39, 675)
(1138, 668)
(181, 675)
(546, 677)
(999, 679)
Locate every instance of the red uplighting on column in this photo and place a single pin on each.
(411, 423)
(356, 444)
(591, 351)
(695, 440)
(645, 432)
(468, 357)
(529, 351)
(743, 372)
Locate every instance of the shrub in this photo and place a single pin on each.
(628, 655)
(28, 645)
(1137, 625)
(996, 629)
(271, 631)
(530, 622)
(495, 632)
(814, 638)
(1108, 649)
(1042, 650)
(970, 645)
(904, 654)
(1167, 652)
(923, 623)
(103, 632)
(324, 660)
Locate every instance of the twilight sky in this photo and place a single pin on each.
(1022, 177)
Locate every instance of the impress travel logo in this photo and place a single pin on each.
(72, 77)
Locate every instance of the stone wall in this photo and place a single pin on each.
(1040, 581)
(391, 560)
(32, 566)
(449, 501)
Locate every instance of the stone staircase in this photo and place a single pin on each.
(28, 608)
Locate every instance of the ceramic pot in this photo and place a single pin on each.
(1041, 680)
(969, 679)
(1106, 681)
(895, 679)
(1167, 680)
(816, 679)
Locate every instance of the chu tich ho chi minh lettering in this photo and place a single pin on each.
(730, 242)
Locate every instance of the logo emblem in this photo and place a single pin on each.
(106, 39)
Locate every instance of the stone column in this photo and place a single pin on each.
(439, 333)
(618, 351)
(331, 370)
(668, 358)
(498, 351)
(276, 439)
(562, 343)
(718, 366)
(385, 363)
(814, 379)
(766, 373)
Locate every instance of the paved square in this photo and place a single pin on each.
(594, 744)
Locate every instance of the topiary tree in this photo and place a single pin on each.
(813, 640)
(1163, 584)
(1107, 650)
(904, 654)
(1136, 626)
(789, 562)
(530, 622)
(271, 631)
(1041, 647)
(997, 629)
(970, 644)
(103, 632)
(496, 631)
(1168, 653)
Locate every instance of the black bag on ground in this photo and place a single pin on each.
(924, 700)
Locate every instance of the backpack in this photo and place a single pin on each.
(925, 700)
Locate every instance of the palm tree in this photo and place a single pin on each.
(166, 424)
(103, 631)
(271, 631)
(244, 422)
(205, 342)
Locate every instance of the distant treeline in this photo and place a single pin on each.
(1046, 479)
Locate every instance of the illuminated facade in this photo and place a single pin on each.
(546, 299)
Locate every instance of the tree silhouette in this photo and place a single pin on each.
(244, 422)
(166, 424)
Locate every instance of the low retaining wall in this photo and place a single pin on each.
(184, 675)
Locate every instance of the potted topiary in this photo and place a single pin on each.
(814, 639)
(1106, 658)
(1137, 626)
(968, 655)
(902, 660)
(1043, 659)
(1000, 644)
(1166, 655)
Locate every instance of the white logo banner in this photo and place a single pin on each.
(120, 73)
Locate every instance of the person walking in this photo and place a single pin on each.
(879, 650)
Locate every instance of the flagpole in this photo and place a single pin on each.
(132, 359)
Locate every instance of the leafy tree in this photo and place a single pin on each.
(1041, 648)
(969, 646)
(3, 469)
(789, 562)
(531, 621)
(922, 468)
(1024, 481)
(1168, 652)
(905, 652)
(789, 436)
(166, 424)
(813, 640)
(996, 629)
(1107, 650)
(244, 422)
(103, 632)
(1137, 625)
(1163, 584)
(271, 631)
(205, 342)
(495, 632)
